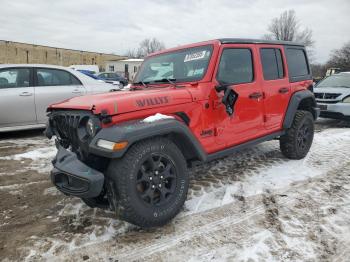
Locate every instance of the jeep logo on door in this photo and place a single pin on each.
(152, 101)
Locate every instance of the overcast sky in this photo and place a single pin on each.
(116, 26)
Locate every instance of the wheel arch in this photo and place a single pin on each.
(136, 131)
(301, 100)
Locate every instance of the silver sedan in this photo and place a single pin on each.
(333, 96)
(27, 90)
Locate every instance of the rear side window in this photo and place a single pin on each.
(54, 77)
(236, 66)
(271, 59)
(15, 77)
(297, 62)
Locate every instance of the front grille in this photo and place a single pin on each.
(327, 101)
(327, 95)
(65, 126)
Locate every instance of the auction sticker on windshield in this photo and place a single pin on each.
(195, 56)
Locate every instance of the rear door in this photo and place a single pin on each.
(275, 85)
(16, 97)
(53, 86)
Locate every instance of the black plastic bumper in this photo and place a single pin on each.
(73, 177)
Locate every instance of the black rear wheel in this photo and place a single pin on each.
(296, 143)
(150, 182)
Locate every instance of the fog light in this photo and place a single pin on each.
(111, 145)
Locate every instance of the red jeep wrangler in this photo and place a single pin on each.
(206, 100)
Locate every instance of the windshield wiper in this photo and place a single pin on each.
(170, 80)
(144, 84)
(141, 83)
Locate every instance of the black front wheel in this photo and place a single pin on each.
(296, 143)
(150, 183)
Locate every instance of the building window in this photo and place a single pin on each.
(135, 69)
(111, 68)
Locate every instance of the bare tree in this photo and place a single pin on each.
(318, 70)
(340, 58)
(287, 28)
(146, 47)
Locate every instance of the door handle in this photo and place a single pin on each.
(76, 91)
(283, 90)
(26, 94)
(256, 95)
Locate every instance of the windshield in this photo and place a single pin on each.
(180, 66)
(335, 81)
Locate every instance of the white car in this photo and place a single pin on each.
(26, 91)
(333, 96)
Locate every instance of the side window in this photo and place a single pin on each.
(271, 59)
(236, 66)
(75, 81)
(297, 63)
(53, 77)
(15, 77)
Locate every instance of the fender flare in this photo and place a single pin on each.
(293, 106)
(137, 130)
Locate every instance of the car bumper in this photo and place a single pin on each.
(338, 110)
(73, 177)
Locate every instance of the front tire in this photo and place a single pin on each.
(150, 183)
(296, 143)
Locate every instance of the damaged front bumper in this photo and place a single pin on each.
(72, 177)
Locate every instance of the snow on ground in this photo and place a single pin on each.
(37, 154)
(37, 151)
(251, 206)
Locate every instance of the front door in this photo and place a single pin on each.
(275, 84)
(17, 105)
(236, 69)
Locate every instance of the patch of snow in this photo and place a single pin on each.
(15, 192)
(317, 162)
(156, 117)
(51, 191)
(71, 209)
(257, 250)
(41, 153)
(18, 186)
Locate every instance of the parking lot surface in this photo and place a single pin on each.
(255, 205)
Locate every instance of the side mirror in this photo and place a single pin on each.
(230, 97)
(221, 87)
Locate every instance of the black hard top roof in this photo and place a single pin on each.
(256, 41)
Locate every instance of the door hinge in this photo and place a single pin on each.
(265, 118)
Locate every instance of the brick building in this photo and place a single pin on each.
(21, 53)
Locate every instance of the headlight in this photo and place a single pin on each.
(346, 99)
(113, 146)
(90, 127)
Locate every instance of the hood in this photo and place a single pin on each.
(126, 101)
